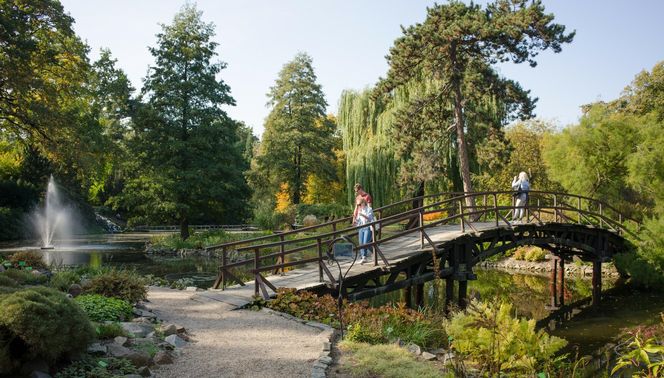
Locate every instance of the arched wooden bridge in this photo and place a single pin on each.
(423, 237)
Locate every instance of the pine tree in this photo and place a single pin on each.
(298, 139)
(456, 36)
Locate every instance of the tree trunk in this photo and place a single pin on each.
(462, 148)
(184, 228)
(417, 202)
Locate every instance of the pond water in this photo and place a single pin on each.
(590, 329)
(124, 251)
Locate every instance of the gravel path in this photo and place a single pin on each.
(234, 343)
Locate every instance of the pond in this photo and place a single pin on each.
(590, 329)
(125, 251)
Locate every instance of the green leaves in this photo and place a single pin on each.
(646, 358)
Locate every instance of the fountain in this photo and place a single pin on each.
(54, 219)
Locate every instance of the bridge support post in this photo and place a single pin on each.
(419, 295)
(463, 290)
(554, 291)
(597, 282)
(408, 294)
(561, 274)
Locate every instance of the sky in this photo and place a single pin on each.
(348, 41)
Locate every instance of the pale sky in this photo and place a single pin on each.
(348, 41)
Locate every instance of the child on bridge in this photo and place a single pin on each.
(364, 216)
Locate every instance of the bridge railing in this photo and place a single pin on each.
(452, 208)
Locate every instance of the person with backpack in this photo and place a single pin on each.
(521, 186)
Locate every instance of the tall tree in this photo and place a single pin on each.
(455, 36)
(298, 139)
(189, 148)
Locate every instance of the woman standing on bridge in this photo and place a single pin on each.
(521, 185)
(364, 216)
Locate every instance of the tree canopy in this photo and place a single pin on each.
(456, 44)
(298, 137)
(189, 155)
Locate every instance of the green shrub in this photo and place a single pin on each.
(30, 258)
(26, 277)
(90, 367)
(109, 330)
(40, 323)
(121, 284)
(100, 308)
(64, 279)
(363, 334)
(7, 281)
(536, 254)
(489, 335)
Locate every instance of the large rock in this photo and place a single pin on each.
(162, 358)
(428, 356)
(143, 313)
(176, 341)
(97, 349)
(137, 329)
(414, 349)
(137, 358)
(75, 290)
(144, 371)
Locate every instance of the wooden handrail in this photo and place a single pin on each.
(463, 212)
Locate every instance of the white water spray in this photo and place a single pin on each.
(53, 221)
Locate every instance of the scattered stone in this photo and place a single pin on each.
(191, 288)
(180, 329)
(439, 351)
(326, 360)
(428, 356)
(326, 346)
(446, 358)
(138, 358)
(151, 335)
(142, 341)
(143, 313)
(169, 329)
(176, 341)
(143, 319)
(414, 349)
(97, 349)
(137, 329)
(75, 290)
(132, 376)
(121, 340)
(162, 358)
(318, 372)
(144, 371)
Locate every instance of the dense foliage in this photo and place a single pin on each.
(40, 323)
(489, 335)
(122, 284)
(101, 309)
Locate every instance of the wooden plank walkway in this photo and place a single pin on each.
(306, 277)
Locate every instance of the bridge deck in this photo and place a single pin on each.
(306, 277)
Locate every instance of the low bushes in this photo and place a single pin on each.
(109, 330)
(101, 309)
(30, 258)
(98, 368)
(40, 323)
(533, 254)
(121, 284)
(364, 323)
(64, 279)
(25, 277)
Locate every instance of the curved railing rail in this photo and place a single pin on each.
(263, 255)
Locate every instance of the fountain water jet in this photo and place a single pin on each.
(53, 219)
